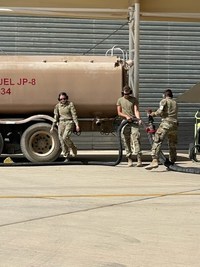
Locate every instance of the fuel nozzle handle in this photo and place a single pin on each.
(151, 127)
(150, 118)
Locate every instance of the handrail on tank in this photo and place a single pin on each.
(111, 50)
(46, 117)
(31, 118)
(196, 114)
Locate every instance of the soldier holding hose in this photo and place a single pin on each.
(127, 108)
(167, 128)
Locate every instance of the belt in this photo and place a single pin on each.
(63, 120)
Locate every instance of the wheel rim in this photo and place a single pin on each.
(41, 143)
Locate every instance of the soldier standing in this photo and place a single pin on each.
(127, 108)
(65, 116)
(167, 128)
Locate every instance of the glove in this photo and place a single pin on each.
(152, 114)
(77, 128)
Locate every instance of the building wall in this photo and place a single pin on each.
(169, 58)
(41, 35)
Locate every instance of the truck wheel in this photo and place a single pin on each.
(196, 153)
(190, 152)
(1, 143)
(39, 145)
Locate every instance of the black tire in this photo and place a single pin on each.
(191, 145)
(1, 143)
(39, 145)
(195, 152)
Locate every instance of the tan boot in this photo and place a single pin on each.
(130, 162)
(139, 161)
(152, 165)
(74, 151)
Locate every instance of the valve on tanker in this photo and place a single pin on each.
(98, 121)
(128, 64)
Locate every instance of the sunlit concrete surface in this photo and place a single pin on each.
(99, 216)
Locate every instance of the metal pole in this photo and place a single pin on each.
(136, 50)
(131, 46)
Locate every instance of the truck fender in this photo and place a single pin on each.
(38, 117)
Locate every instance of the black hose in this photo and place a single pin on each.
(120, 148)
(84, 162)
(162, 159)
(174, 167)
(165, 161)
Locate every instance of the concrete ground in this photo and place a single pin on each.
(99, 216)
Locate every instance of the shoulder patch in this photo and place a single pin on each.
(162, 104)
(161, 107)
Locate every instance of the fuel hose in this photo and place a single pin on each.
(162, 159)
(73, 162)
(165, 161)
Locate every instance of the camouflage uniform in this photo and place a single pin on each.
(131, 133)
(65, 115)
(167, 128)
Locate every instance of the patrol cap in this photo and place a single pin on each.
(126, 90)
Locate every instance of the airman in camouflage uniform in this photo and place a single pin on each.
(127, 108)
(65, 116)
(167, 128)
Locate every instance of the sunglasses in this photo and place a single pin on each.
(63, 99)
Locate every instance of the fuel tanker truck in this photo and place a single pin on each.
(29, 88)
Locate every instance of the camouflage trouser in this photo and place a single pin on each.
(64, 131)
(169, 130)
(131, 139)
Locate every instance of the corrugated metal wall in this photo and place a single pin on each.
(36, 35)
(169, 58)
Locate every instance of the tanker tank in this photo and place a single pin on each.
(31, 84)
(29, 87)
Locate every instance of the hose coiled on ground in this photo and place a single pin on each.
(73, 162)
(165, 161)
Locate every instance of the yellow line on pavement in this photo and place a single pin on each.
(99, 195)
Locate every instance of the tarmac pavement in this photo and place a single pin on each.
(99, 216)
